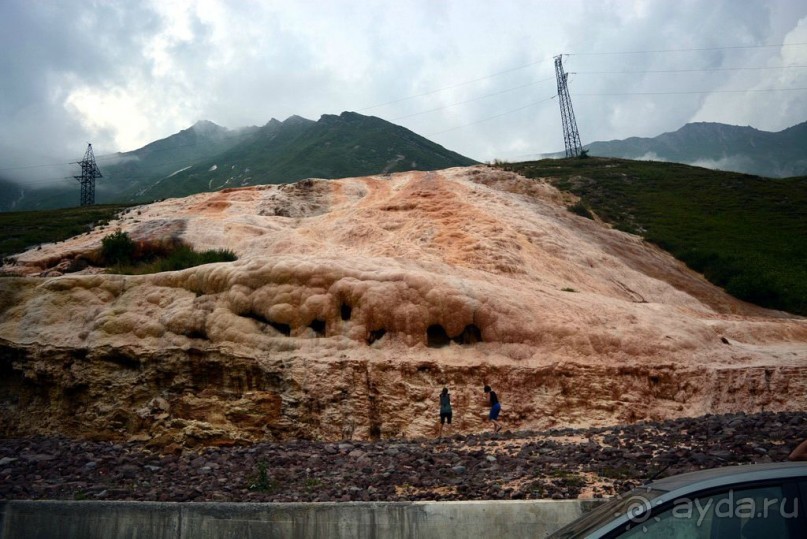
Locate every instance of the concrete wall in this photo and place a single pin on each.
(155, 520)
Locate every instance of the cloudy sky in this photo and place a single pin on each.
(473, 75)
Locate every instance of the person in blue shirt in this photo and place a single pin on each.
(495, 408)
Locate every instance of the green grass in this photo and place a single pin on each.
(262, 481)
(744, 233)
(122, 255)
(21, 230)
(182, 257)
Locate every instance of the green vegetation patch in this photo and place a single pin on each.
(745, 233)
(22, 230)
(182, 258)
(262, 481)
(123, 255)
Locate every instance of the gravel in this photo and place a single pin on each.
(554, 464)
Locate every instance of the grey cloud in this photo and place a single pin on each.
(249, 62)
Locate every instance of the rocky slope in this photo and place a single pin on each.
(355, 301)
(560, 464)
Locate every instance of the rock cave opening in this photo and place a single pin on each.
(255, 316)
(345, 311)
(436, 336)
(285, 329)
(197, 334)
(122, 360)
(11, 383)
(318, 326)
(376, 335)
(471, 334)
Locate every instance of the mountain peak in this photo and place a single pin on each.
(206, 156)
(349, 117)
(206, 126)
(294, 119)
(716, 127)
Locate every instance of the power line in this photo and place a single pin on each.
(696, 49)
(36, 166)
(686, 70)
(493, 117)
(143, 174)
(472, 100)
(451, 87)
(122, 155)
(695, 92)
(517, 68)
(524, 66)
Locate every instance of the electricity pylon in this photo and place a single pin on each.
(89, 171)
(571, 138)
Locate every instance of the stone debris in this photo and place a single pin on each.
(553, 464)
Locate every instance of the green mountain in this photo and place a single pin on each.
(207, 157)
(333, 147)
(128, 175)
(719, 146)
(129, 171)
(744, 233)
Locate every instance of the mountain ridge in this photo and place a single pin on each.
(207, 156)
(720, 146)
(335, 146)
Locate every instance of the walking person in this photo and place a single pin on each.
(495, 408)
(445, 410)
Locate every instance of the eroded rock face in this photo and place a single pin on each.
(353, 302)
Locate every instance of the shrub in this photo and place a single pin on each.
(261, 481)
(581, 209)
(185, 257)
(117, 248)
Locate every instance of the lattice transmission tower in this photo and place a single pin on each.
(571, 138)
(89, 171)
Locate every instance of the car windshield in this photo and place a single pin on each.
(635, 502)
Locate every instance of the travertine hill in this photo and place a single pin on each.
(353, 302)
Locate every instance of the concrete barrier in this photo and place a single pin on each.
(157, 520)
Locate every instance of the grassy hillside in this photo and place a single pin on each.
(333, 147)
(21, 230)
(744, 233)
(725, 147)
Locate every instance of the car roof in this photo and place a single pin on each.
(730, 475)
(661, 491)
